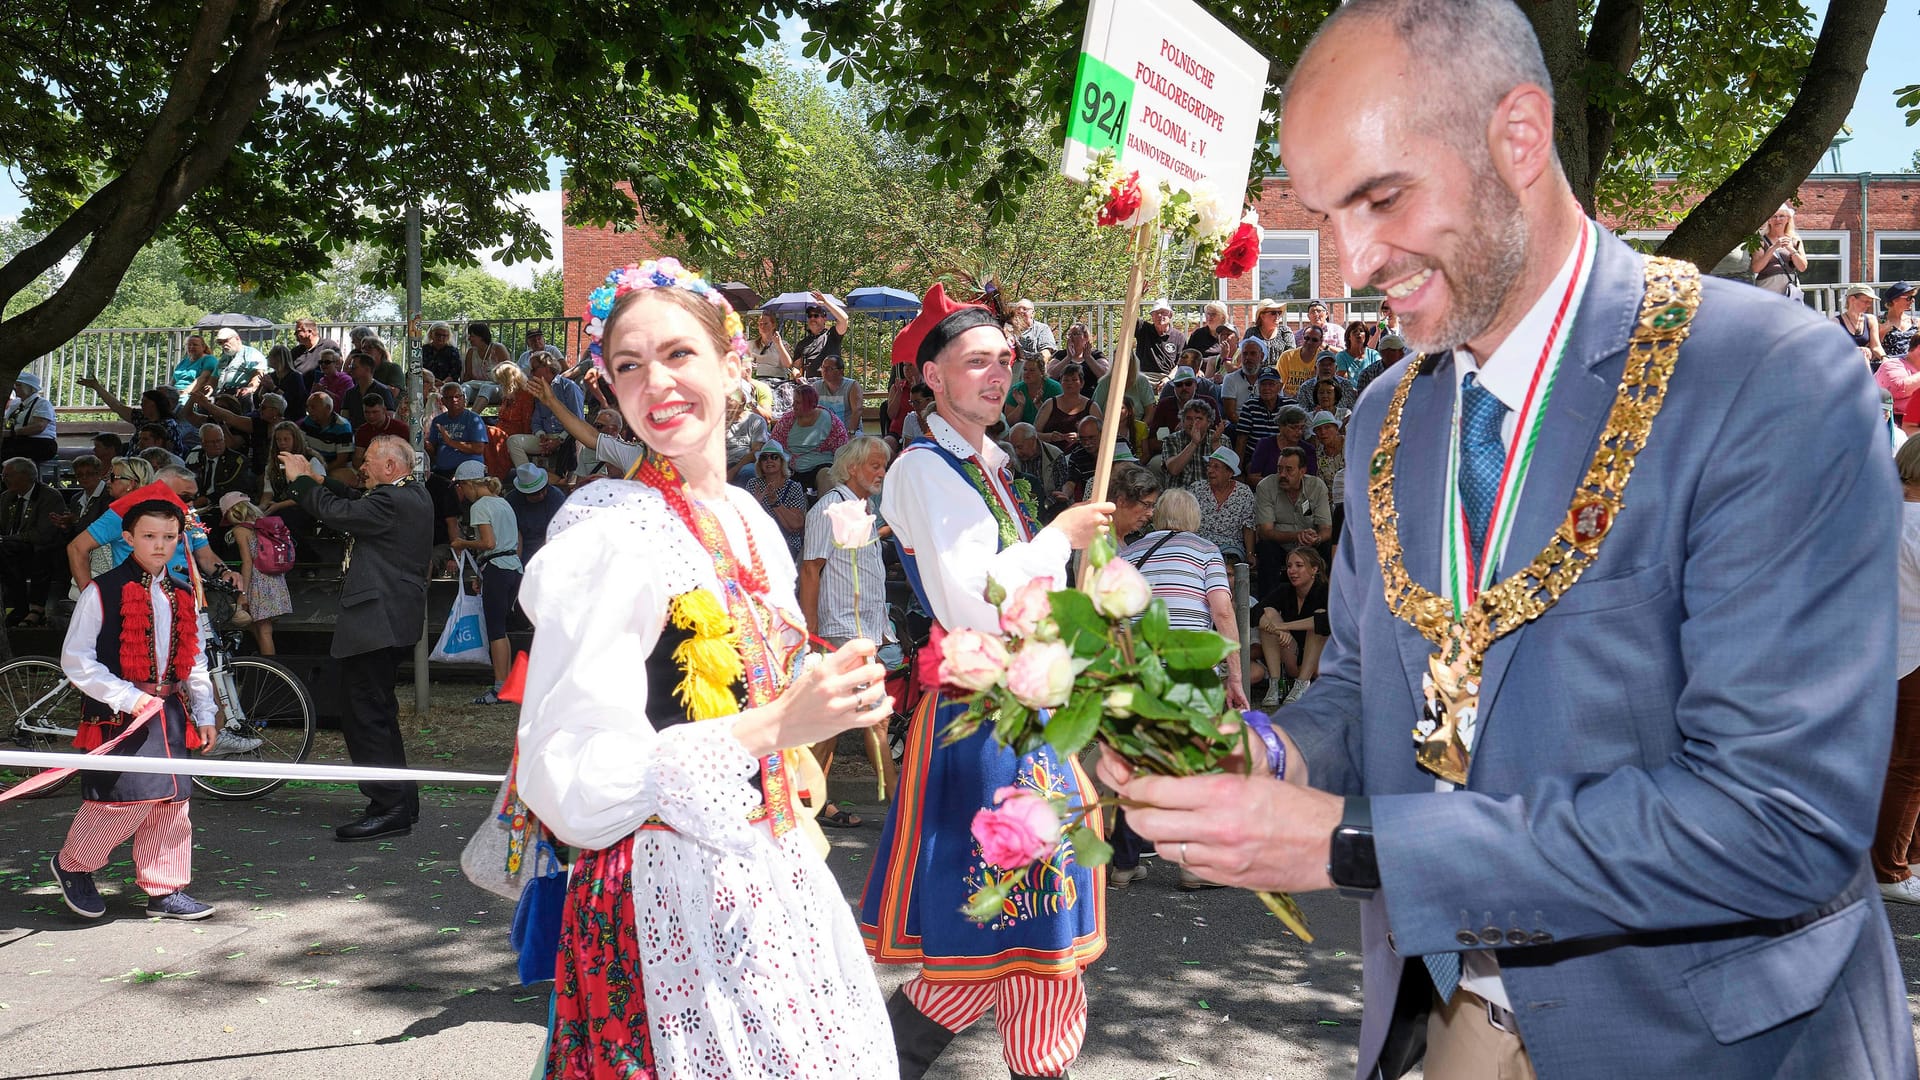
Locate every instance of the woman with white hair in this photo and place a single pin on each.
(1213, 329)
(1782, 257)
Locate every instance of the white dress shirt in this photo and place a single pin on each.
(79, 659)
(1506, 374)
(939, 518)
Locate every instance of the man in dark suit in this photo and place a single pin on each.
(1599, 827)
(382, 609)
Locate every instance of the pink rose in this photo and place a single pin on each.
(972, 660)
(1041, 674)
(1119, 591)
(1021, 831)
(851, 522)
(1027, 608)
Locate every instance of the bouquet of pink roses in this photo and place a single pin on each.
(1078, 666)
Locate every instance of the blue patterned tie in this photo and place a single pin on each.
(1445, 969)
(1483, 456)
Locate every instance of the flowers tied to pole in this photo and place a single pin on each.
(1078, 666)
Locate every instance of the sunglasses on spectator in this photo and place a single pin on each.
(118, 475)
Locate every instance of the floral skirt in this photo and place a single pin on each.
(707, 960)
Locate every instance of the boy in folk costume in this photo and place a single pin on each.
(135, 639)
(960, 518)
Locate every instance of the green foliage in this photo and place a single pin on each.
(14, 237)
(1713, 77)
(846, 204)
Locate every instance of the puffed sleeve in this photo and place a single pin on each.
(591, 766)
(940, 518)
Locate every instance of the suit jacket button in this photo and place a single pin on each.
(1516, 936)
(1467, 937)
(1541, 937)
(1492, 936)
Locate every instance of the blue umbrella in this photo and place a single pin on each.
(793, 305)
(884, 302)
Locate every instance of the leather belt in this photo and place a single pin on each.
(159, 690)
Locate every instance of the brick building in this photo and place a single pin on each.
(1299, 260)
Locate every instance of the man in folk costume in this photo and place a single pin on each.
(960, 518)
(135, 639)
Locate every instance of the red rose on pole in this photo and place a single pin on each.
(1241, 254)
(1122, 200)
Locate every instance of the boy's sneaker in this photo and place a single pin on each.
(229, 743)
(78, 891)
(177, 905)
(1120, 879)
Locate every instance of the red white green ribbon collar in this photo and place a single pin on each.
(1469, 571)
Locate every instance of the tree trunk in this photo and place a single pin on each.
(209, 103)
(1736, 209)
(1557, 24)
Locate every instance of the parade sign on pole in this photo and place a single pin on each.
(1170, 91)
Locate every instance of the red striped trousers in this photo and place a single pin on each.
(1042, 1021)
(162, 842)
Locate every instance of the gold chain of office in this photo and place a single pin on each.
(1671, 299)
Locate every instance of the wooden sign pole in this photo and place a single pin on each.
(1120, 372)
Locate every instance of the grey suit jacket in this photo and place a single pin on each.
(1679, 766)
(383, 600)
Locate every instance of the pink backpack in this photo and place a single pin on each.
(274, 554)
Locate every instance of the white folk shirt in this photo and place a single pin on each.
(1506, 374)
(79, 659)
(955, 540)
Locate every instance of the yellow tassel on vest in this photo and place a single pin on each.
(711, 657)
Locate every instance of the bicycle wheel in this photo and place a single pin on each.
(39, 710)
(269, 703)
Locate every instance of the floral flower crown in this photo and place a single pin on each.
(665, 273)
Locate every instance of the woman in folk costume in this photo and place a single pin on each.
(703, 935)
(961, 518)
(135, 640)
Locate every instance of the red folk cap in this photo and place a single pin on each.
(940, 321)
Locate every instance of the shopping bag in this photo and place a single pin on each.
(536, 918)
(464, 639)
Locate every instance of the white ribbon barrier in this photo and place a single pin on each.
(262, 770)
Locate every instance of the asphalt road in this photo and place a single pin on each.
(381, 961)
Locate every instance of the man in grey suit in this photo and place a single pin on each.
(1599, 733)
(382, 609)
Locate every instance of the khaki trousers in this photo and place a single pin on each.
(1463, 1045)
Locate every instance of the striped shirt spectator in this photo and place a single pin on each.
(834, 611)
(1183, 568)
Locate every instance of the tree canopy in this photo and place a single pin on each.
(266, 137)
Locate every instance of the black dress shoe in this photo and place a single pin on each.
(394, 822)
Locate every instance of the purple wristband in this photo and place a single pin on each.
(1276, 750)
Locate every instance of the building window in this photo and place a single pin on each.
(1896, 256)
(1827, 262)
(1289, 266)
(1826, 256)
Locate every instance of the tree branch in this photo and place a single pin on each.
(1735, 210)
(1613, 45)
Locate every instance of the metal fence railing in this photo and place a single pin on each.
(130, 360)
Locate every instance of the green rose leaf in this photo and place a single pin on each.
(1012, 721)
(1153, 676)
(1189, 649)
(1071, 727)
(1154, 627)
(1088, 848)
(990, 901)
(1081, 627)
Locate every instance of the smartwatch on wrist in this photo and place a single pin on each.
(1350, 859)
